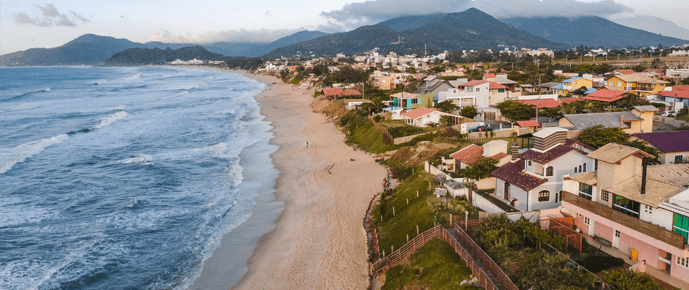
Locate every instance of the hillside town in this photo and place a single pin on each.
(594, 156)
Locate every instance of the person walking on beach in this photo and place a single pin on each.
(307, 144)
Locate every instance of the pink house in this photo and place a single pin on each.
(634, 207)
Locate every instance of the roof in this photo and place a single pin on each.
(548, 131)
(682, 92)
(590, 91)
(402, 95)
(468, 155)
(663, 182)
(626, 71)
(504, 80)
(675, 141)
(513, 173)
(547, 156)
(351, 93)
(526, 86)
(431, 86)
(545, 103)
(473, 83)
(572, 79)
(332, 92)
(558, 87)
(495, 86)
(613, 153)
(530, 123)
(418, 112)
(548, 85)
(499, 156)
(570, 100)
(489, 75)
(590, 178)
(605, 95)
(607, 119)
(639, 78)
(574, 143)
(647, 108)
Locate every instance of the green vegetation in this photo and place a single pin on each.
(434, 265)
(469, 112)
(446, 106)
(406, 130)
(516, 111)
(631, 280)
(596, 264)
(295, 81)
(598, 136)
(481, 169)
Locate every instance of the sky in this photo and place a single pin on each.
(36, 23)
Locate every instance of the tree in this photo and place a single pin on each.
(516, 111)
(445, 121)
(481, 169)
(597, 136)
(469, 112)
(629, 280)
(446, 106)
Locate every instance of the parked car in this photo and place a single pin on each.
(667, 113)
(481, 128)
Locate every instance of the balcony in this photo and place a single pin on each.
(651, 230)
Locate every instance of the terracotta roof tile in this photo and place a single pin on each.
(547, 156)
(495, 86)
(499, 156)
(469, 155)
(513, 173)
(604, 95)
(547, 103)
(332, 92)
(530, 123)
(473, 83)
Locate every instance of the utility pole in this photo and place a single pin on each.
(674, 101)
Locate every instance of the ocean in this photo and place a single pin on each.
(125, 178)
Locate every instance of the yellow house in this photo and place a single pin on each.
(571, 85)
(638, 84)
(638, 120)
(385, 83)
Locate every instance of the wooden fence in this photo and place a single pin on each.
(383, 264)
(387, 137)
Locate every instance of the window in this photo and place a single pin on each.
(648, 209)
(549, 171)
(604, 195)
(575, 169)
(585, 191)
(544, 196)
(580, 168)
(587, 221)
(595, 165)
(681, 225)
(478, 90)
(678, 159)
(626, 206)
(529, 162)
(684, 262)
(584, 167)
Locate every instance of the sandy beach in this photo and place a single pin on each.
(318, 241)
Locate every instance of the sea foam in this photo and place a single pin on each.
(107, 121)
(24, 151)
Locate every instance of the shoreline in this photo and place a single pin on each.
(318, 240)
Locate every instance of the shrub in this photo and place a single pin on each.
(596, 264)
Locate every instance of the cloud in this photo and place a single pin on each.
(236, 36)
(49, 17)
(353, 15)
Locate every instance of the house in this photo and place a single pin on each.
(497, 93)
(605, 95)
(411, 100)
(570, 85)
(637, 83)
(469, 155)
(673, 146)
(630, 121)
(382, 80)
(489, 77)
(422, 117)
(473, 93)
(677, 95)
(351, 104)
(637, 210)
(508, 83)
(548, 87)
(646, 113)
(533, 180)
(523, 127)
(433, 85)
(527, 88)
(624, 72)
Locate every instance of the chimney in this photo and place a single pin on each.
(515, 148)
(644, 164)
(621, 121)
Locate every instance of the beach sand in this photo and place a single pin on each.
(318, 241)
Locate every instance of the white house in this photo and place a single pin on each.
(422, 117)
(533, 179)
(474, 93)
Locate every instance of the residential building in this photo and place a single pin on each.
(570, 85)
(676, 95)
(469, 155)
(433, 85)
(547, 87)
(489, 77)
(423, 117)
(630, 121)
(509, 84)
(638, 83)
(639, 210)
(498, 93)
(533, 179)
(474, 93)
(411, 100)
(673, 146)
(605, 95)
(382, 80)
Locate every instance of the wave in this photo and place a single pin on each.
(136, 76)
(106, 121)
(116, 108)
(44, 90)
(142, 159)
(128, 88)
(24, 151)
(97, 83)
(235, 171)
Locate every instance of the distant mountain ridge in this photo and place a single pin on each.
(471, 29)
(91, 49)
(655, 25)
(591, 31)
(153, 56)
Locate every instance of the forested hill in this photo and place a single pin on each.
(146, 56)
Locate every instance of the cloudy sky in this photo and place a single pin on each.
(36, 23)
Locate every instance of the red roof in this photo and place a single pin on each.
(351, 93)
(418, 112)
(332, 92)
(570, 100)
(499, 156)
(513, 173)
(495, 86)
(492, 69)
(547, 156)
(489, 75)
(659, 71)
(531, 123)
(682, 92)
(473, 83)
(626, 71)
(605, 95)
(469, 155)
(547, 103)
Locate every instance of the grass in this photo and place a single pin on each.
(434, 265)
(684, 118)
(369, 138)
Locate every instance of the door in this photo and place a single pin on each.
(507, 191)
(616, 239)
(489, 116)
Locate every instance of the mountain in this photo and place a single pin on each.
(655, 25)
(87, 49)
(146, 56)
(362, 39)
(90, 49)
(471, 29)
(591, 31)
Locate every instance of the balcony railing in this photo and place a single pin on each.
(646, 228)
